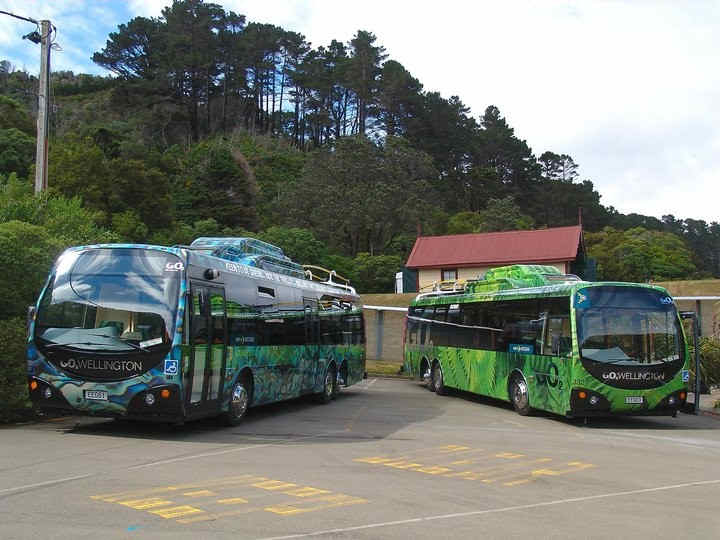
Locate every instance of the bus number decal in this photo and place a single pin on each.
(174, 267)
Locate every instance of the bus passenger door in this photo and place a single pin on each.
(311, 351)
(208, 337)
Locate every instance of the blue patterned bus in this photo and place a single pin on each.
(178, 333)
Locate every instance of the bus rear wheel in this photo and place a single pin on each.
(239, 402)
(437, 381)
(519, 395)
(329, 385)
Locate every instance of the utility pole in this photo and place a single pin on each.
(41, 154)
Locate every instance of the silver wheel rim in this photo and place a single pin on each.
(437, 377)
(328, 384)
(520, 394)
(239, 401)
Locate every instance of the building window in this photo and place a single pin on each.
(448, 274)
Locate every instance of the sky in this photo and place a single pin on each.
(629, 89)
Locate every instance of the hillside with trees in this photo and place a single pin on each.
(208, 123)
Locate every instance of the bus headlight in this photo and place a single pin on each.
(594, 400)
(671, 400)
(149, 399)
(47, 393)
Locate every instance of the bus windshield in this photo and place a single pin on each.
(626, 326)
(112, 300)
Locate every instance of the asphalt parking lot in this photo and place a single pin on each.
(387, 459)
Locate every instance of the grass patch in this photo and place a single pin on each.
(383, 368)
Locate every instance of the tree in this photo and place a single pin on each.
(363, 74)
(639, 255)
(298, 244)
(359, 196)
(216, 181)
(13, 115)
(499, 215)
(78, 167)
(375, 274)
(399, 98)
(17, 152)
(26, 255)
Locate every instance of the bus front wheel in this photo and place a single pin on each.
(519, 395)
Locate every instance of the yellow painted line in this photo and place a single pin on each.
(462, 462)
(117, 496)
(306, 492)
(450, 448)
(510, 470)
(575, 466)
(220, 515)
(327, 502)
(403, 465)
(517, 482)
(273, 485)
(509, 455)
(434, 470)
(201, 493)
(466, 475)
(234, 500)
(176, 511)
(375, 460)
(142, 504)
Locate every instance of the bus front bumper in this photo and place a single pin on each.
(161, 403)
(585, 402)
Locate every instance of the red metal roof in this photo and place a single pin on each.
(500, 248)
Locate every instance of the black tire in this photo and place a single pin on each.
(428, 381)
(519, 396)
(438, 382)
(240, 398)
(329, 385)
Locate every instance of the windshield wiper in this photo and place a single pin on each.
(73, 343)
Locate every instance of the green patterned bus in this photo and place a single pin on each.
(177, 333)
(544, 340)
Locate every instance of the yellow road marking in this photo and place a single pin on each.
(376, 460)
(272, 485)
(234, 500)
(117, 496)
(306, 492)
(434, 470)
(509, 455)
(201, 493)
(176, 511)
(142, 504)
(403, 465)
(330, 501)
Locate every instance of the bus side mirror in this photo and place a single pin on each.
(31, 311)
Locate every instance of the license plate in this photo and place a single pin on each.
(97, 395)
(634, 400)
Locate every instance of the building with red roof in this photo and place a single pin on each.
(468, 256)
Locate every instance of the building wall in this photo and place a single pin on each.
(708, 308)
(429, 276)
(393, 324)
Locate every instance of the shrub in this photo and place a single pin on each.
(14, 401)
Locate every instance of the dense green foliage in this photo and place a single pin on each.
(213, 125)
(639, 255)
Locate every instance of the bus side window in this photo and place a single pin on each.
(427, 314)
(198, 322)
